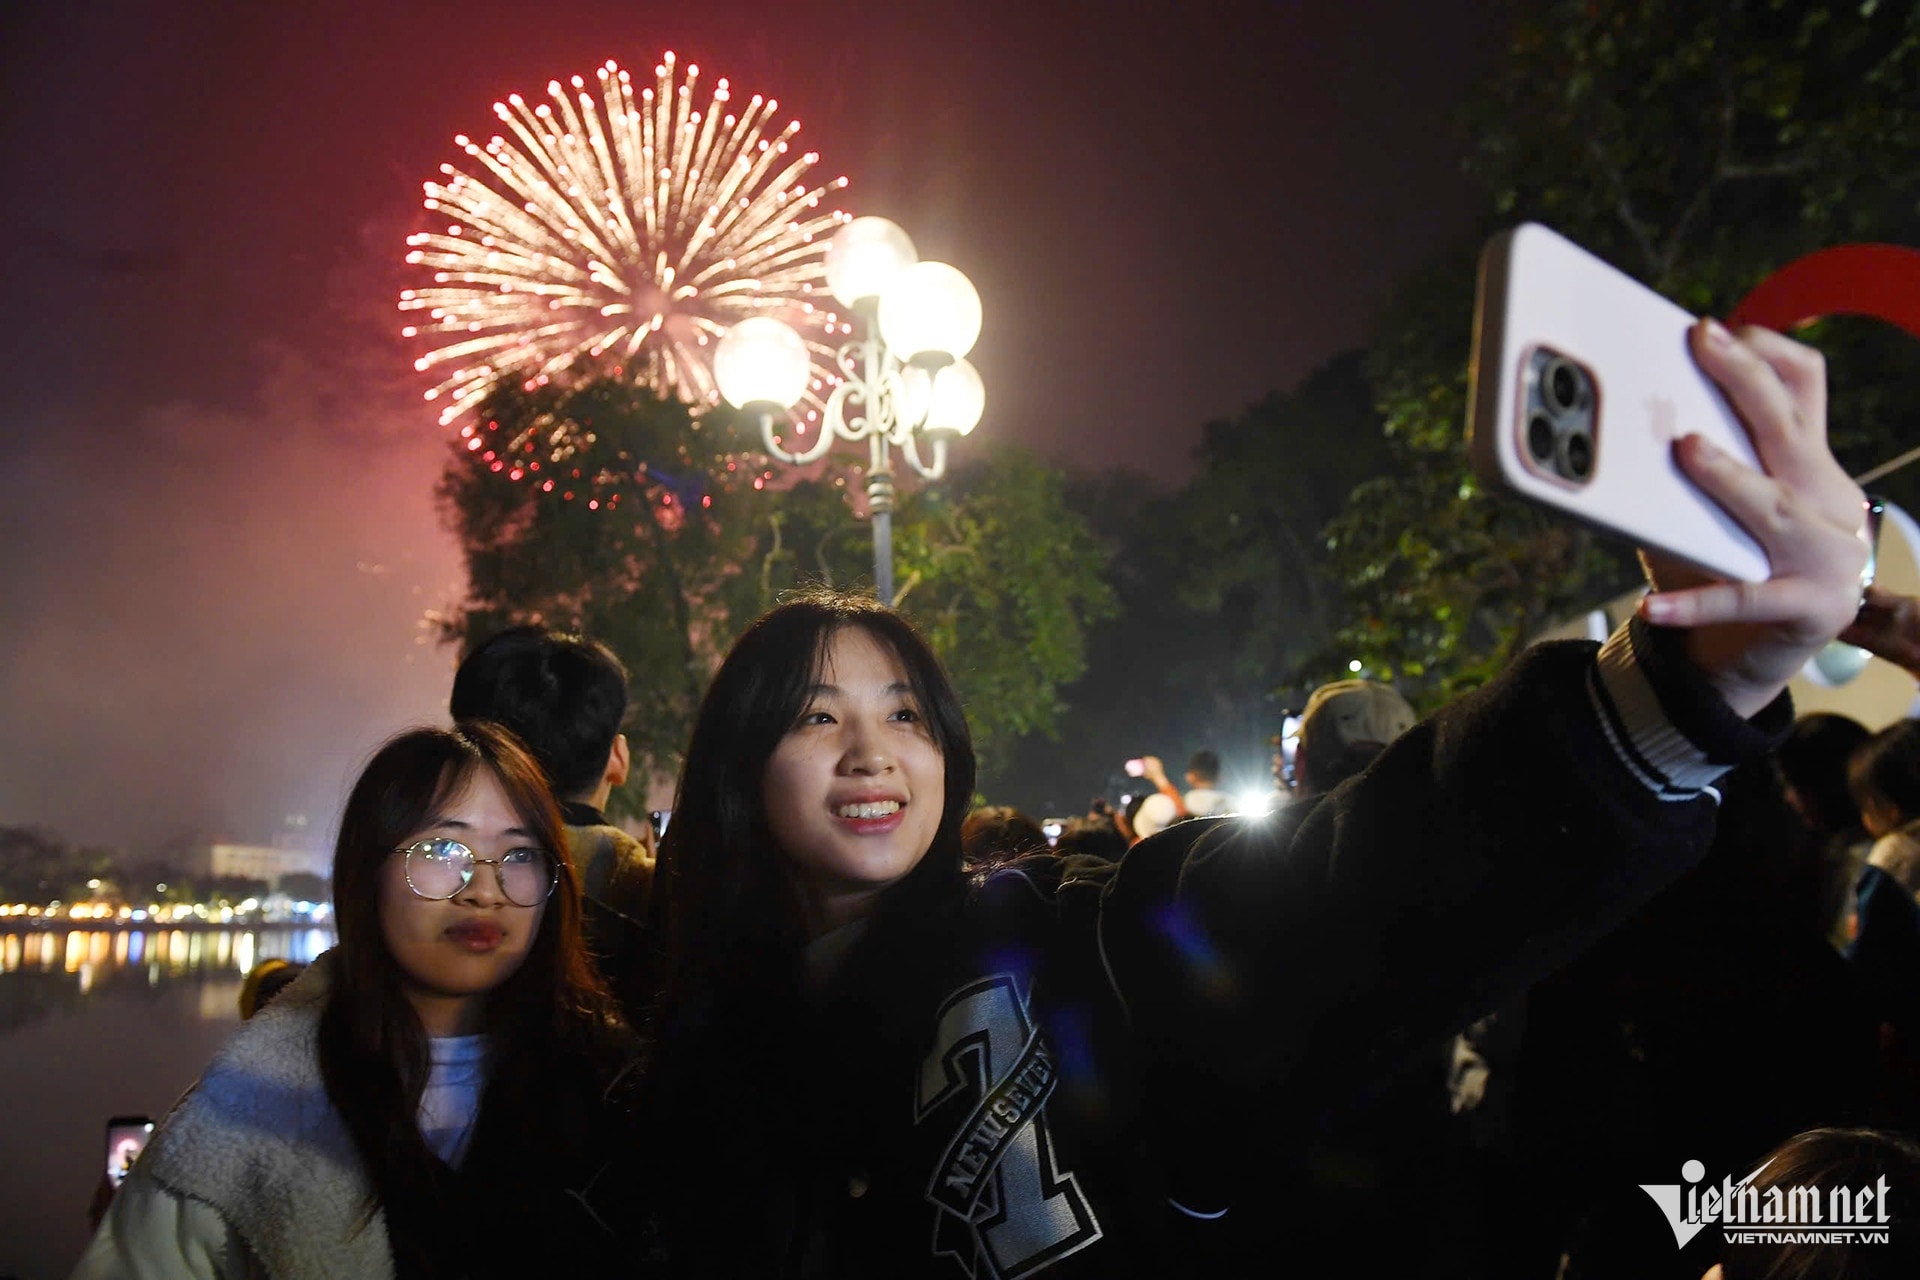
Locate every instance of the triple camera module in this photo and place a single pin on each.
(1560, 416)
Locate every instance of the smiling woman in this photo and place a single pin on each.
(856, 788)
(453, 1057)
(867, 1063)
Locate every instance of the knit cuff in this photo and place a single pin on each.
(1665, 722)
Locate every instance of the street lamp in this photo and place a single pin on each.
(904, 380)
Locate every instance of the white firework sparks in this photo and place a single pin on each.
(632, 228)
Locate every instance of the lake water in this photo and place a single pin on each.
(97, 1024)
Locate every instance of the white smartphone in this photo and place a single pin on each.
(1581, 380)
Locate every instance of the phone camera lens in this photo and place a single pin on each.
(1579, 456)
(1560, 387)
(1540, 437)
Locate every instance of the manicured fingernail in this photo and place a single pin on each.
(1704, 450)
(1656, 608)
(1717, 335)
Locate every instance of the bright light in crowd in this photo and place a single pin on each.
(1256, 803)
(1354, 666)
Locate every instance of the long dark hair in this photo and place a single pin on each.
(727, 915)
(1812, 759)
(373, 1051)
(1886, 768)
(1844, 1160)
(728, 988)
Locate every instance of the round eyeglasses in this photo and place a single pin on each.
(438, 868)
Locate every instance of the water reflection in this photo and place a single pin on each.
(46, 972)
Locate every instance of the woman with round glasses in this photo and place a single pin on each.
(438, 1094)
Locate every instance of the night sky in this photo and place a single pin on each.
(217, 531)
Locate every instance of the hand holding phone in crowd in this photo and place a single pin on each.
(1595, 396)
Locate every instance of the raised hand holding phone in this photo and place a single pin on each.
(1750, 638)
(1589, 397)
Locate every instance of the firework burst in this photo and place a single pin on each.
(609, 229)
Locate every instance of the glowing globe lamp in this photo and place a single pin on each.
(930, 313)
(863, 258)
(762, 361)
(959, 397)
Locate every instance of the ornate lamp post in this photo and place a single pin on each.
(904, 382)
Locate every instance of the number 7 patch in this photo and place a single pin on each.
(1006, 1211)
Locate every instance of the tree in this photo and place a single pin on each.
(37, 866)
(683, 550)
(1246, 531)
(1698, 147)
(1004, 579)
(631, 545)
(992, 563)
(305, 886)
(34, 865)
(1226, 613)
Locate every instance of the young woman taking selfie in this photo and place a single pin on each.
(437, 1095)
(864, 1062)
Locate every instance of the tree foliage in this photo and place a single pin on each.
(37, 866)
(1005, 580)
(646, 575)
(1699, 148)
(1225, 610)
(990, 562)
(1246, 531)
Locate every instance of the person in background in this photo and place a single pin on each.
(1811, 767)
(1124, 817)
(1884, 777)
(1159, 808)
(565, 697)
(1345, 725)
(454, 1059)
(1168, 805)
(999, 832)
(1204, 798)
(1096, 833)
(265, 981)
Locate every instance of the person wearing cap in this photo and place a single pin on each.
(1346, 724)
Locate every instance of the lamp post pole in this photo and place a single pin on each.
(902, 380)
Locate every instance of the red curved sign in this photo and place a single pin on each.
(1879, 280)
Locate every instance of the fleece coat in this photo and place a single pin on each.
(252, 1173)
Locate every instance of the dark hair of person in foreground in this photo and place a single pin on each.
(1848, 1160)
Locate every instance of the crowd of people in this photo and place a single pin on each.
(1448, 1012)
